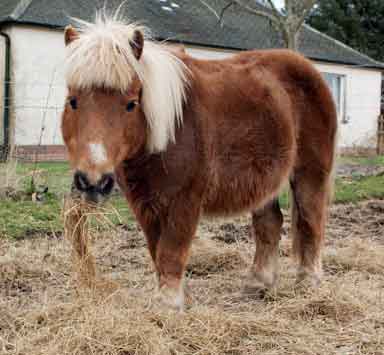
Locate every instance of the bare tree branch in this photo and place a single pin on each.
(288, 8)
(274, 8)
(215, 13)
(278, 20)
(225, 8)
(288, 23)
(210, 8)
(307, 6)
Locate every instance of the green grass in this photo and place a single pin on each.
(22, 218)
(359, 189)
(26, 217)
(366, 161)
(57, 176)
(350, 190)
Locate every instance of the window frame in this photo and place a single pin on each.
(341, 106)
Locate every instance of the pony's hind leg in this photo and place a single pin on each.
(310, 195)
(266, 230)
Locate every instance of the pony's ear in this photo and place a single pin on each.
(137, 43)
(70, 34)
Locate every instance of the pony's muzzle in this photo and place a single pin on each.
(93, 192)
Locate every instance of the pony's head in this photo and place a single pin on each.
(125, 96)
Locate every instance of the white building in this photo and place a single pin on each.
(32, 34)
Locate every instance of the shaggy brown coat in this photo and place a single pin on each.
(252, 123)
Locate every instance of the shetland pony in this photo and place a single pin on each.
(185, 137)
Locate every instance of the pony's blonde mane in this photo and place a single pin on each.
(102, 57)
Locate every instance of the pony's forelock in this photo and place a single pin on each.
(102, 57)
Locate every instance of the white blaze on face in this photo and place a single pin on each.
(98, 154)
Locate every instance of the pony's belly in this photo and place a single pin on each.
(232, 204)
(244, 193)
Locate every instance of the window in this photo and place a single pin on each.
(336, 84)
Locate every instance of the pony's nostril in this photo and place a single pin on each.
(106, 184)
(81, 181)
(103, 187)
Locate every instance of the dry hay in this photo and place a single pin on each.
(358, 255)
(357, 221)
(43, 312)
(207, 258)
(78, 217)
(76, 230)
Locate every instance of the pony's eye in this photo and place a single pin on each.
(131, 105)
(73, 103)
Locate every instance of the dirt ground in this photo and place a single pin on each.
(42, 311)
(357, 170)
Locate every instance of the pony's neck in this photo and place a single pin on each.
(141, 158)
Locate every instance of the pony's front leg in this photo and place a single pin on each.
(177, 231)
(150, 224)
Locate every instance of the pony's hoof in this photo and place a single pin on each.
(171, 298)
(307, 279)
(258, 286)
(255, 292)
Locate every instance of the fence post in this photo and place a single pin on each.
(380, 135)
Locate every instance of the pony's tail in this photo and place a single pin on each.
(335, 160)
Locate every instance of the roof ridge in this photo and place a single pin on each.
(343, 45)
(20, 9)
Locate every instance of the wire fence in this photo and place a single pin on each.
(32, 128)
(380, 135)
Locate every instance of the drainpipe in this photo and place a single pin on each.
(7, 96)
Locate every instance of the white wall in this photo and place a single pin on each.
(363, 92)
(2, 78)
(37, 84)
(208, 53)
(39, 89)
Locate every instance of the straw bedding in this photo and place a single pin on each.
(47, 306)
